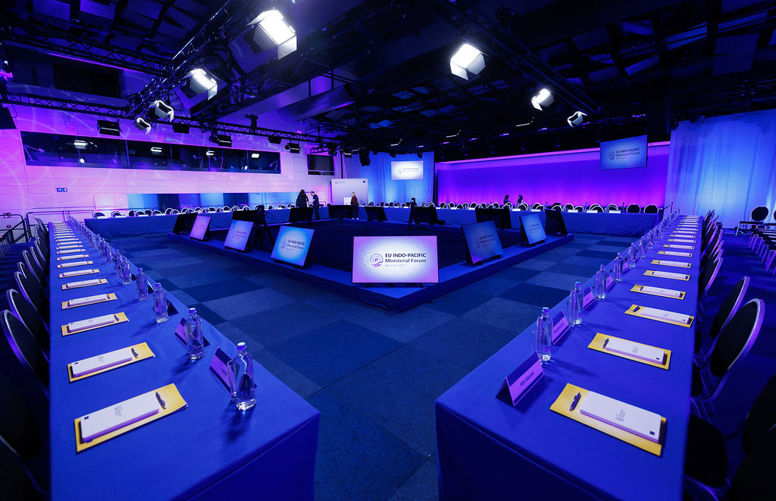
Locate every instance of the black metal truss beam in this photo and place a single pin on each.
(67, 44)
(494, 40)
(117, 112)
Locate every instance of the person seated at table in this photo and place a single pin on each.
(519, 199)
(354, 205)
(301, 199)
(506, 199)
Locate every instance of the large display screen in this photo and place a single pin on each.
(292, 245)
(238, 235)
(533, 228)
(482, 241)
(392, 260)
(407, 170)
(200, 227)
(628, 153)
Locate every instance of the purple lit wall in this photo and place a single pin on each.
(566, 177)
(24, 188)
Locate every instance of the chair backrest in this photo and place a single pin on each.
(24, 346)
(650, 209)
(168, 210)
(33, 265)
(709, 275)
(729, 306)
(761, 417)
(115, 213)
(578, 208)
(156, 212)
(612, 207)
(32, 291)
(738, 337)
(537, 205)
(132, 213)
(99, 214)
(13, 476)
(148, 212)
(633, 209)
(760, 213)
(174, 211)
(569, 206)
(30, 317)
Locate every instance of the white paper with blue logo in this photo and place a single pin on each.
(621, 415)
(395, 259)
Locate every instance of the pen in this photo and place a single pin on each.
(637, 308)
(575, 401)
(606, 342)
(134, 353)
(159, 398)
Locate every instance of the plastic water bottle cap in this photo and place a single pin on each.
(545, 309)
(240, 346)
(192, 311)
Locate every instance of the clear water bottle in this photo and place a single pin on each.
(617, 268)
(142, 285)
(195, 340)
(160, 303)
(126, 274)
(242, 385)
(631, 256)
(574, 305)
(599, 284)
(543, 336)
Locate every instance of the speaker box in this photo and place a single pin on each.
(363, 156)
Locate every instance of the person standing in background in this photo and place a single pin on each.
(506, 199)
(301, 199)
(316, 205)
(519, 199)
(354, 205)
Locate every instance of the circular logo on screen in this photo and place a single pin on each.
(283, 243)
(375, 260)
(611, 155)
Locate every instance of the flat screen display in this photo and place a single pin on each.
(407, 170)
(395, 259)
(482, 241)
(200, 227)
(292, 245)
(533, 228)
(238, 235)
(628, 153)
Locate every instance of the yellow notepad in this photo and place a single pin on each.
(598, 344)
(118, 319)
(173, 402)
(658, 315)
(142, 350)
(564, 401)
(658, 291)
(109, 297)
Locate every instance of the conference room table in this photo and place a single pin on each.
(490, 449)
(207, 450)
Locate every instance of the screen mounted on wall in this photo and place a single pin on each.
(407, 170)
(628, 153)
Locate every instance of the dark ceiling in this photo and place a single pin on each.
(376, 73)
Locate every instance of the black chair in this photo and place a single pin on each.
(733, 345)
(14, 476)
(633, 209)
(25, 347)
(30, 317)
(708, 276)
(568, 207)
(706, 458)
(115, 213)
(33, 292)
(148, 212)
(168, 210)
(650, 209)
(596, 207)
(33, 265)
(132, 213)
(612, 207)
(98, 214)
(725, 312)
(174, 211)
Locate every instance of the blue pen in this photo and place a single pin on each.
(575, 401)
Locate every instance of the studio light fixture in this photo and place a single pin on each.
(274, 139)
(142, 124)
(156, 150)
(467, 62)
(80, 144)
(109, 128)
(210, 153)
(273, 27)
(255, 155)
(397, 143)
(221, 139)
(453, 134)
(578, 118)
(163, 110)
(542, 98)
(199, 81)
(293, 147)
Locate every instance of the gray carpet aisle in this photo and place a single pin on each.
(374, 375)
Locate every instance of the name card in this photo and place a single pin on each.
(560, 326)
(587, 298)
(522, 379)
(219, 364)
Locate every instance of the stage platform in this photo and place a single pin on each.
(454, 275)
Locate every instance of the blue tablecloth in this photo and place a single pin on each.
(206, 450)
(489, 450)
(603, 223)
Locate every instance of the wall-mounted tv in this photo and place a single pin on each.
(628, 153)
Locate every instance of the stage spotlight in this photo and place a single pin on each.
(163, 110)
(272, 27)
(543, 98)
(467, 62)
(109, 128)
(577, 118)
(255, 155)
(293, 147)
(210, 153)
(221, 139)
(397, 143)
(156, 150)
(80, 144)
(453, 134)
(199, 81)
(142, 124)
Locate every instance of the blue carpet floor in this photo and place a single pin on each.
(373, 374)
